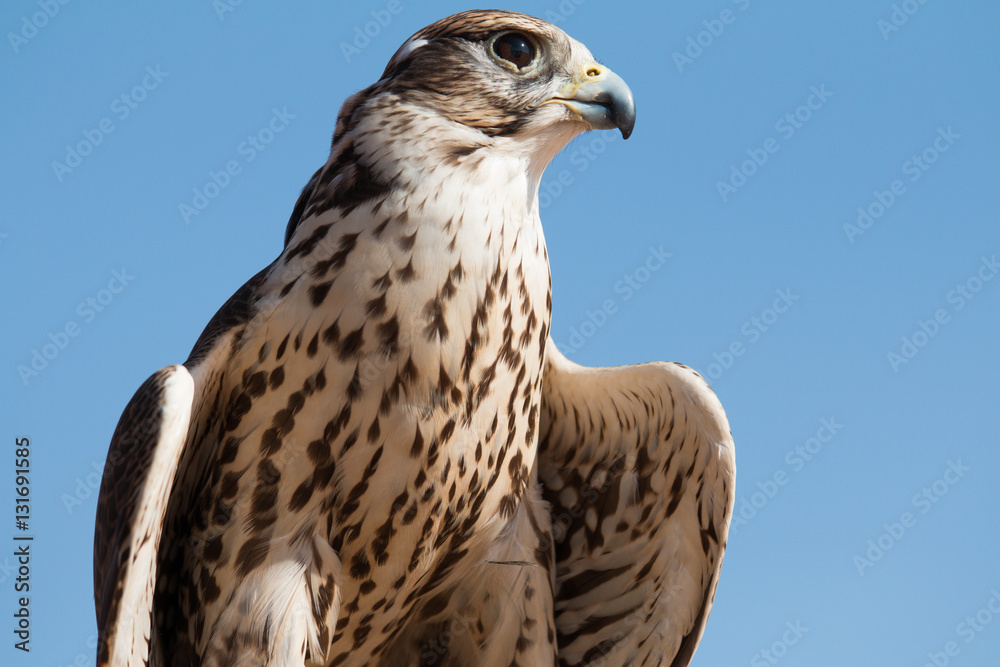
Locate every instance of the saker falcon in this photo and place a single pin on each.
(375, 455)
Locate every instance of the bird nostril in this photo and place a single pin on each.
(593, 71)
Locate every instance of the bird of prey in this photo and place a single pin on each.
(375, 455)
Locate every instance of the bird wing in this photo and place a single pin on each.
(637, 464)
(138, 476)
(170, 411)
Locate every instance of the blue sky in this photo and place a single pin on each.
(806, 213)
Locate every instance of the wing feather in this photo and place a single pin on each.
(138, 476)
(637, 464)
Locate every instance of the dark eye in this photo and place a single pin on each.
(515, 48)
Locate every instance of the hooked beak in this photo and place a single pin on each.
(600, 98)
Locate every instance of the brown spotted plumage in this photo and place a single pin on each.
(375, 456)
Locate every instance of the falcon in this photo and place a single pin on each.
(375, 455)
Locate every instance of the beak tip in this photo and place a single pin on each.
(625, 112)
(618, 99)
(626, 125)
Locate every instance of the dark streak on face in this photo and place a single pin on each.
(457, 74)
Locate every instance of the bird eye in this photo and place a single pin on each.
(516, 48)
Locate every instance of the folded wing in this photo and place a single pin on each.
(138, 476)
(637, 464)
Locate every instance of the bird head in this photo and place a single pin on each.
(503, 72)
(482, 87)
(502, 75)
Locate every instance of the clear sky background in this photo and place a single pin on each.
(867, 483)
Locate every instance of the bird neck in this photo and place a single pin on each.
(411, 186)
